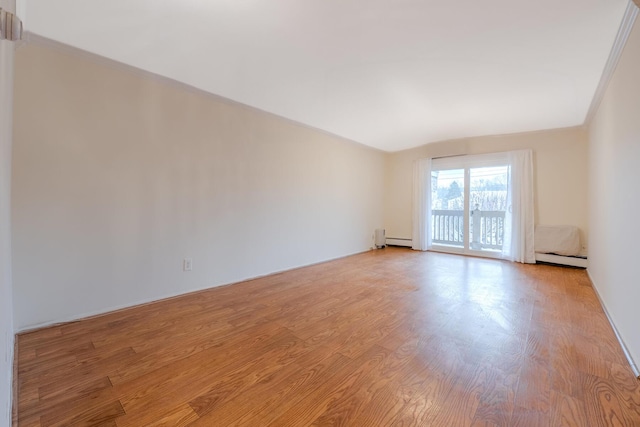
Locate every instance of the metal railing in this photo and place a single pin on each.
(487, 228)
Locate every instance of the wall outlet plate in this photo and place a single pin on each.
(187, 264)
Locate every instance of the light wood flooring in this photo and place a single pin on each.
(390, 337)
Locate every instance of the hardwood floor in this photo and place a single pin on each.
(390, 337)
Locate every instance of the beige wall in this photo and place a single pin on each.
(614, 153)
(6, 298)
(119, 176)
(560, 163)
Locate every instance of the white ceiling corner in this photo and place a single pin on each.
(391, 74)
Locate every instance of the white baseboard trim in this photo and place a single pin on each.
(393, 241)
(630, 360)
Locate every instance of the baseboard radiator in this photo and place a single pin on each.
(395, 241)
(570, 261)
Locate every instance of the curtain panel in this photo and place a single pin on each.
(519, 221)
(421, 238)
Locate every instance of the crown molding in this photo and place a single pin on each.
(626, 26)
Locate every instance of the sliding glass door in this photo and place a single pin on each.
(468, 205)
(488, 203)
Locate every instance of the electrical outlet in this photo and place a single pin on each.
(187, 264)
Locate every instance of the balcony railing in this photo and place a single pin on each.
(447, 227)
(487, 228)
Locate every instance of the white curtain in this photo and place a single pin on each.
(519, 224)
(421, 239)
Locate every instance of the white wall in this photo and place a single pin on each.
(614, 153)
(6, 304)
(560, 162)
(119, 176)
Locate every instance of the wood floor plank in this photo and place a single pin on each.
(73, 372)
(627, 390)
(204, 396)
(602, 403)
(193, 376)
(87, 413)
(182, 353)
(346, 408)
(339, 386)
(54, 393)
(496, 400)
(181, 416)
(567, 411)
(534, 389)
(418, 404)
(290, 392)
(391, 337)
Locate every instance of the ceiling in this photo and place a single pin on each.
(391, 74)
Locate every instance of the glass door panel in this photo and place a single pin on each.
(487, 204)
(448, 207)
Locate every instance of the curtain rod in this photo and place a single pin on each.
(446, 157)
(476, 154)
